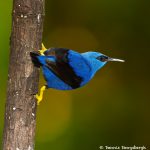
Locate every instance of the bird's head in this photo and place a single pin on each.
(98, 60)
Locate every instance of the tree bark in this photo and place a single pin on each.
(23, 77)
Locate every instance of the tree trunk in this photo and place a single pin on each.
(23, 77)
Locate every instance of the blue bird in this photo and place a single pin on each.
(66, 69)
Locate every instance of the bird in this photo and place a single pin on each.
(66, 69)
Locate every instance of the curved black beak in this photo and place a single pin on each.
(104, 58)
(115, 59)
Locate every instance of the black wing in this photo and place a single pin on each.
(34, 58)
(61, 67)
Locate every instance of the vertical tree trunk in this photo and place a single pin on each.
(23, 77)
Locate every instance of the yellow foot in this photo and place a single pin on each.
(40, 97)
(42, 50)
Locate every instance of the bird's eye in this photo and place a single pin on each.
(102, 58)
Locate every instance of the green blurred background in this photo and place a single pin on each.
(113, 109)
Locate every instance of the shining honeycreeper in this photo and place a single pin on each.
(66, 69)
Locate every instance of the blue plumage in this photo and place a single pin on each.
(66, 69)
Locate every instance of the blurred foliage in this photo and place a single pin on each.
(113, 109)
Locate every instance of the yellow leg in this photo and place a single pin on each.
(40, 97)
(42, 50)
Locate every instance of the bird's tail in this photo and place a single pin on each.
(34, 57)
